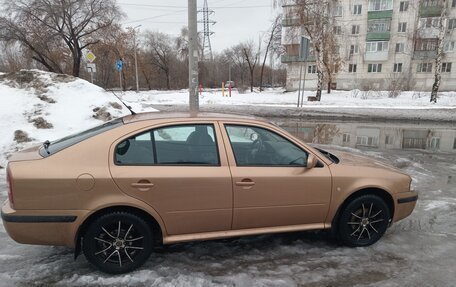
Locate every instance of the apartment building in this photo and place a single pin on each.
(379, 41)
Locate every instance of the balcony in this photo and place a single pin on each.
(425, 55)
(379, 36)
(374, 15)
(290, 22)
(295, 58)
(431, 11)
(376, 56)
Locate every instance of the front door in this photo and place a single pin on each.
(272, 186)
(182, 172)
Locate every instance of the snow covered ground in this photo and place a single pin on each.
(277, 97)
(48, 106)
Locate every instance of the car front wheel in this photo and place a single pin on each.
(118, 242)
(363, 221)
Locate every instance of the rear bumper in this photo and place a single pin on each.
(41, 227)
(404, 203)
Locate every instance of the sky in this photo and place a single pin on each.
(237, 20)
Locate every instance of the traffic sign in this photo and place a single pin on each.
(91, 67)
(119, 65)
(90, 57)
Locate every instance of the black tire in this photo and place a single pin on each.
(117, 250)
(363, 221)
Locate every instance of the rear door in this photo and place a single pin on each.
(181, 170)
(272, 186)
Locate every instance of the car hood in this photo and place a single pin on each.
(347, 158)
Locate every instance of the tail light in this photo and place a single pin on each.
(9, 185)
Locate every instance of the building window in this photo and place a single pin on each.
(453, 4)
(430, 3)
(446, 68)
(434, 143)
(454, 144)
(404, 6)
(426, 45)
(402, 27)
(452, 24)
(357, 9)
(380, 5)
(400, 47)
(337, 30)
(346, 138)
(338, 11)
(367, 141)
(312, 69)
(424, 68)
(352, 68)
(429, 22)
(389, 140)
(354, 49)
(355, 29)
(378, 26)
(450, 46)
(373, 47)
(397, 68)
(374, 68)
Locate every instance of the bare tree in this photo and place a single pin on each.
(160, 51)
(235, 55)
(442, 28)
(273, 41)
(74, 22)
(251, 57)
(316, 20)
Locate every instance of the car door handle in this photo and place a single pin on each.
(245, 183)
(142, 185)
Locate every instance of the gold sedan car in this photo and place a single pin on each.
(159, 178)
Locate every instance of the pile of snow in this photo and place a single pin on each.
(38, 106)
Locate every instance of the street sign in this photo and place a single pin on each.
(119, 65)
(92, 67)
(90, 57)
(304, 49)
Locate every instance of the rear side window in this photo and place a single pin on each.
(172, 145)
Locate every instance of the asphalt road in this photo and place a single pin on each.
(418, 251)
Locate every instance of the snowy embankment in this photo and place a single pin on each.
(339, 105)
(38, 106)
(280, 98)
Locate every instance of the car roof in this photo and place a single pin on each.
(185, 115)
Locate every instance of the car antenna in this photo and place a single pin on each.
(128, 107)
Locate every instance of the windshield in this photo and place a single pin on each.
(53, 147)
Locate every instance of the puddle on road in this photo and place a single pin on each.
(374, 135)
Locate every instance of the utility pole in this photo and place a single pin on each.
(193, 56)
(136, 58)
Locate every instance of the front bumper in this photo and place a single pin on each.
(404, 203)
(41, 227)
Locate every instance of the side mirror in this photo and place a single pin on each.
(311, 161)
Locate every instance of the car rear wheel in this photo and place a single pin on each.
(118, 242)
(363, 221)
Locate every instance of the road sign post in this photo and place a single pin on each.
(119, 66)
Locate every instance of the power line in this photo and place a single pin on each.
(182, 7)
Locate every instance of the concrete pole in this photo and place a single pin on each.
(193, 56)
(136, 59)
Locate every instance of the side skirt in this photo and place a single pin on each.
(242, 232)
